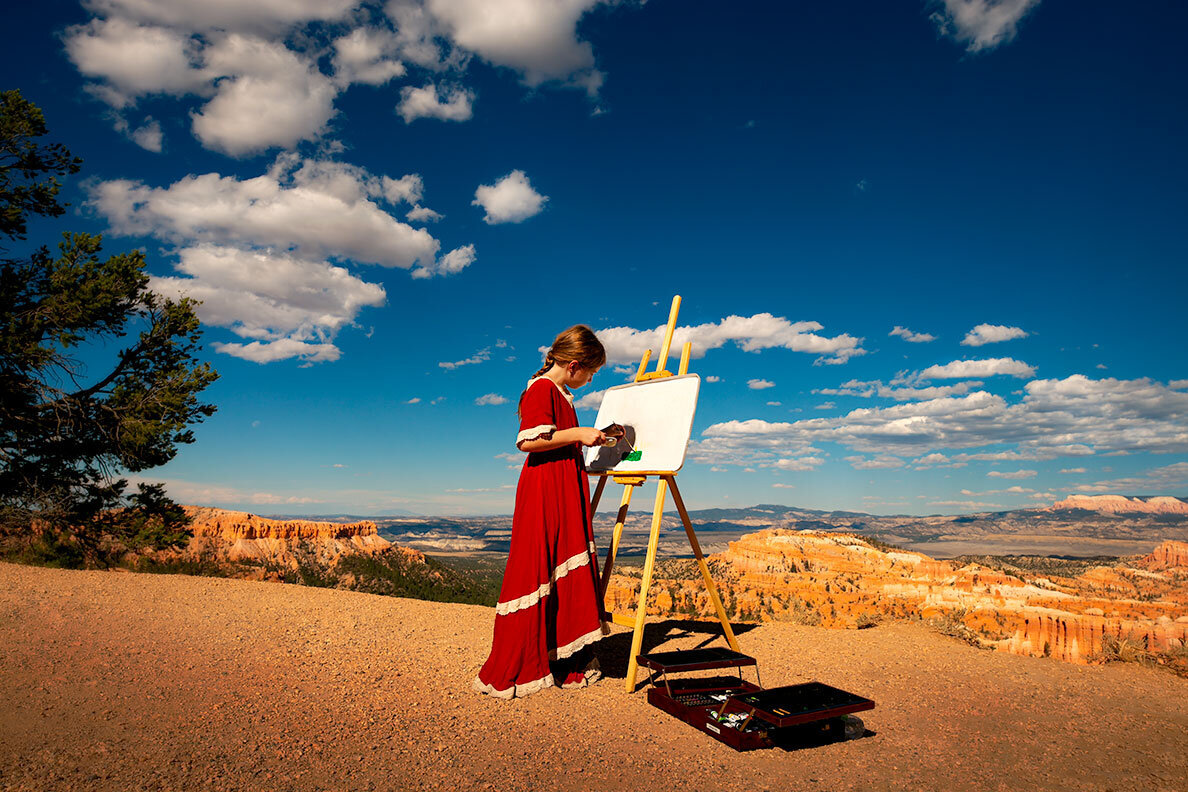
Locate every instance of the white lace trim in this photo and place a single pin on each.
(530, 599)
(535, 433)
(515, 691)
(562, 652)
(564, 391)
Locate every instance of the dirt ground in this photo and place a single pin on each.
(119, 681)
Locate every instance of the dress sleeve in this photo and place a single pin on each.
(536, 413)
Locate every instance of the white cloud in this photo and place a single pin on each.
(367, 55)
(780, 485)
(825, 406)
(149, 136)
(319, 209)
(751, 333)
(978, 368)
(877, 388)
(537, 38)
(713, 378)
(292, 307)
(490, 398)
(798, 463)
(590, 401)
(134, 60)
(981, 24)
(421, 214)
(414, 400)
(773, 404)
(451, 263)
(1075, 416)
(427, 103)
(1158, 480)
(509, 200)
(1013, 474)
(992, 334)
(261, 16)
(269, 96)
(1073, 470)
(482, 356)
(759, 384)
(908, 335)
(282, 349)
(882, 462)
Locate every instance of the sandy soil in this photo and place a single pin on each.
(119, 681)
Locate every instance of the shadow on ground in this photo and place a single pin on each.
(612, 651)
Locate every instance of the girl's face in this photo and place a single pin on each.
(577, 375)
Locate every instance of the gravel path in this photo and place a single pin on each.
(119, 681)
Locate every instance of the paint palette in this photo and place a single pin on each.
(742, 714)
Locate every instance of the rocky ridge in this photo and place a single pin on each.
(838, 580)
(1120, 504)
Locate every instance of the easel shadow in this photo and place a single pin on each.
(613, 650)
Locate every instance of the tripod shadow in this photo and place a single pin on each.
(818, 733)
(613, 650)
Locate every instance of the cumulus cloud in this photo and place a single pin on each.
(263, 17)
(258, 251)
(482, 356)
(877, 388)
(316, 208)
(908, 335)
(1158, 480)
(882, 462)
(751, 333)
(367, 55)
(451, 263)
(1075, 416)
(134, 60)
(962, 369)
(426, 102)
(509, 200)
(490, 398)
(267, 96)
(981, 24)
(759, 384)
(590, 401)
(537, 38)
(991, 334)
(292, 307)
(1012, 474)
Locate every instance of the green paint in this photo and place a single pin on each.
(633, 456)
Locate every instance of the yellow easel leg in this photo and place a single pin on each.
(705, 573)
(609, 564)
(641, 612)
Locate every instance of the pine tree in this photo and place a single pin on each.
(66, 434)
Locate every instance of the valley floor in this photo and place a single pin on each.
(121, 681)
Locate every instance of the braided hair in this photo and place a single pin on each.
(579, 344)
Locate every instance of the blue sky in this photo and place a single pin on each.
(932, 254)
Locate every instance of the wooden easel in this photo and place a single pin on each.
(667, 480)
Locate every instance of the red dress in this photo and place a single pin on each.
(549, 604)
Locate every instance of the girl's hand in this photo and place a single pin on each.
(589, 436)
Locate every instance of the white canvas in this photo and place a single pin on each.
(658, 416)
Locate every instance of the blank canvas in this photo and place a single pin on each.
(658, 416)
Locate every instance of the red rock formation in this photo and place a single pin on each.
(1120, 504)
(239, 536)
(1169, 555)
(842, 581)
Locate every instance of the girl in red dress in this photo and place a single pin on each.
(550, 607)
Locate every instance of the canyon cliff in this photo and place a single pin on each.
(1074, 611)
(1120, 504)
(239, 536)
(318, 553)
